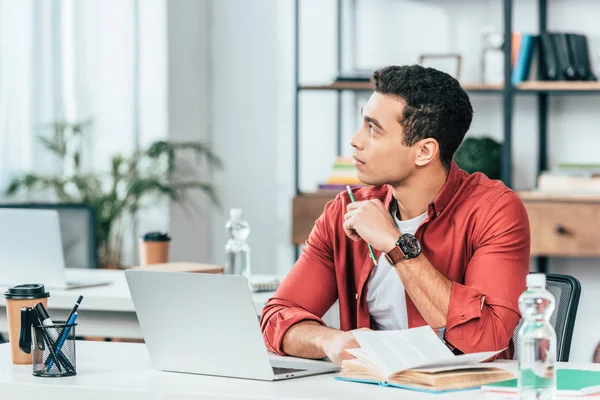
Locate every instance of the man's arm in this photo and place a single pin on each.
(484, 311)
(291, 320)
(428, 289)
(309, 339)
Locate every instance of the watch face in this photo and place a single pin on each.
(410, 245)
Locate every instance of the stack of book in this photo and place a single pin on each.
(564, 57)
(571, 178)
(342, 173)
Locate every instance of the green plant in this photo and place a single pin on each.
(160, 171)
(479, 154)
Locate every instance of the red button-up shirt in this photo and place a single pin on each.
(476, 234)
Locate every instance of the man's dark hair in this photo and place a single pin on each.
(436, 106)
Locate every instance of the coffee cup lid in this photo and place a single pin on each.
(26, 292)
(156, 237)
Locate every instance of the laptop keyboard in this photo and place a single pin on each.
(279, 371)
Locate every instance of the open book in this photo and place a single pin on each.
(417, 359)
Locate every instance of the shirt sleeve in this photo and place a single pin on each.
(483, 312)
(310, 288)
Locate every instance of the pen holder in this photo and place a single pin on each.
(54, 350)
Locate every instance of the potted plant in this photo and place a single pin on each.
(479, 154)
(160, 171)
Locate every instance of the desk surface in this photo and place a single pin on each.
(123, 371)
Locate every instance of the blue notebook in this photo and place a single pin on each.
(408, 387)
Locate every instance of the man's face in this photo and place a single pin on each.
(379, 155)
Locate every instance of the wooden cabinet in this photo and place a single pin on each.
(563, 225)
(306, 208)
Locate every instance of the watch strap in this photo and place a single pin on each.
(395, 255)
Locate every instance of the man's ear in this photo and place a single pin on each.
(427, 151)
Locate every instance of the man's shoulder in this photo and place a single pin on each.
(492, 203)
(481, 189)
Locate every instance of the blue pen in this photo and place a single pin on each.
(62, 339)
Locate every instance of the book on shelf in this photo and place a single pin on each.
(342, 173)
(417, 359)
(571, 180)
(564, 57)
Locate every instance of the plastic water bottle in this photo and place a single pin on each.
(237, 251)
(537, 342)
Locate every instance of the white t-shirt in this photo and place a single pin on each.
(385, 291)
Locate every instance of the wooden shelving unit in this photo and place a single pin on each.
(308, 206)
(559, 86)
(366, 86)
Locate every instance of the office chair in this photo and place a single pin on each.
(566, 291)
(77, 228)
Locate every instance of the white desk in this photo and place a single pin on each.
(106, 311)
(123, 371)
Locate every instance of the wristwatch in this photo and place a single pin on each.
(407, 246)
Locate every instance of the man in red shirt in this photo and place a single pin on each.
(451, 249)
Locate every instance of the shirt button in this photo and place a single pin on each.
(356, 296)
(438, 214)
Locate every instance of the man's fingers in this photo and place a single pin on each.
(349, 230)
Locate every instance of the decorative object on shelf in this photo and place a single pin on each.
(492, 56)
(154, 173)
(449, 63)
(479, 154)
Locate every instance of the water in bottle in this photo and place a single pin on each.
(237, 251)
(537, 342)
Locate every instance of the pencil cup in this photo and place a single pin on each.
(54, 350)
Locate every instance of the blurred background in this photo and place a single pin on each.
(162, 115)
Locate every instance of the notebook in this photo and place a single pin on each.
(569, 383)
(417, 359)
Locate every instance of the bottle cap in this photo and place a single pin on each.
(235, 214)
(536, 280)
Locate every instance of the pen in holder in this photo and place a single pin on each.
(54, 358)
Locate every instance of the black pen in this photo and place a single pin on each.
(75, 307)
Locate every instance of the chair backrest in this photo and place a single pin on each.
(77, 229)
(566, 291)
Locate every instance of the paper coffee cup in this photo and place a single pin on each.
(17, 297)
(154, 248)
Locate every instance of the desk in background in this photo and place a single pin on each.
(106, 311)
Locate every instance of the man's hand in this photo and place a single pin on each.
(371, 221)
(335, 348)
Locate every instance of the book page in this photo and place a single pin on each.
(396, 351)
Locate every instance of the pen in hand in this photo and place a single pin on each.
(370, 248)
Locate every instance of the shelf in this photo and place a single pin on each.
(366, 86)
(567, 87)
(535, 195)
(584, 87)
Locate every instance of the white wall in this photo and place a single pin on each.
(252, 107)
(252, 93)
(188, 108)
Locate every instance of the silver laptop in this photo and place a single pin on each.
(207, 324)
(32, 252)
